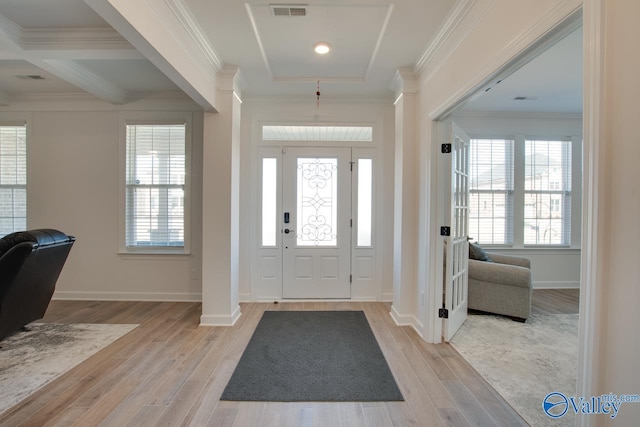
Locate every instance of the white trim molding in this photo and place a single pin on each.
(77, 38)
(219, 319)
(590, 326)
(507, 61)
(451, 22)
(81, 76)
(406, 320)
(191, 27)
(128, 296)
(556, 285)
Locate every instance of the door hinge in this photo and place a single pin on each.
(445, 148)
(351, 223)
(351, 164)
(443, 313)
(351, 278)
(445, 231)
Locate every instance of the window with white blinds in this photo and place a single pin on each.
(491, 191)
(13, 179)
(156, 166)
(521, 192)
(547, 193)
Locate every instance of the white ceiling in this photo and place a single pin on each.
(551, 83)
(75, 50)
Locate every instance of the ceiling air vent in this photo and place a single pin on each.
(288, 9)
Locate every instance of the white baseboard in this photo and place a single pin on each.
(219, 319)
(406, 320)
(387, 297)
(271, 300)
(245, 298)
(364, 299)
(556, 285)
(128, 296)
(266, 299)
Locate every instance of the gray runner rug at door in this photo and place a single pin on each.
(321, 356)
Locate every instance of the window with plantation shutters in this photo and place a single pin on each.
(156, 170)
(13, 179)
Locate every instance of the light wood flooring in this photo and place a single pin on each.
(171, 372)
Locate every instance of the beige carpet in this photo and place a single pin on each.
(524, 361)
(29, 360)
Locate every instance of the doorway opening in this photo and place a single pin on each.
(528, 121)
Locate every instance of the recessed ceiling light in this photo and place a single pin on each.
(322, 48)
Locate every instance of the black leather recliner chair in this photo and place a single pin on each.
(30, 264)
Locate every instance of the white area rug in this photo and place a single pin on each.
(524, 361)
(29, 360)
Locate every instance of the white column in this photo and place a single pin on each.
(406, 202)
(220, 206)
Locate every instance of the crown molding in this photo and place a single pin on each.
(306, 99)
(85, 79)
(83, 101)
(541, 32)
(517, 115)
(405, 80)
(11, 30)
(191, 27)
(73, 38)
(450, 23)
(285, 79)
(383, 30)
(256, 33)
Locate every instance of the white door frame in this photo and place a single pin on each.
(367, 267)
(593, 17)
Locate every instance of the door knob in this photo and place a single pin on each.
(287, 231)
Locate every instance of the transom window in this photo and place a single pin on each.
(317, 133)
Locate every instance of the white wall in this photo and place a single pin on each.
(256, 111)
(489, 36)
(73, 166)
(620, 341)
(550, 268)
(505, 124)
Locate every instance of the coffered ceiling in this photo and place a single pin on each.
(48, 48)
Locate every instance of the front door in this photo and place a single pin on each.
(316, 230)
